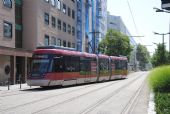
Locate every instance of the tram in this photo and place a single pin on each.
(52, 66)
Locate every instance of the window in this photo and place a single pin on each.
(59, 4)
(58, 64)
(7, 3)
(59, 24)
(59, 42)
(64, 8)
(64, 27)
(53, 3)
(69, 12)
(69, 44)
(73, 45)
(73, 14)
(47, 1)
(46, 40)
(53, 41)
(71, 64)
(64, 43)
(73, 31)
(53, 21)
(46, 18)
(7, 29)
(69, 29)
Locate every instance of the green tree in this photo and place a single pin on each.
(142, 55)
(160, 57)
(115, 44)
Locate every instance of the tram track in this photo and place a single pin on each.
(128, 109)
(65, 101)
(53, 96)
(23, 91)
(93, 106)
(106, 98)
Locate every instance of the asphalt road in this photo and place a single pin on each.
(128, 96)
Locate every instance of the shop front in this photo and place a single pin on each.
(14, 65)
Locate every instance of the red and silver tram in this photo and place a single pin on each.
(51, 66)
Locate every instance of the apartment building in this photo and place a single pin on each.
(49, 22)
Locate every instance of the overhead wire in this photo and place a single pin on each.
(133, 19)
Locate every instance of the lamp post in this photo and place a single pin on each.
(163, 47)
(165, 11)
(163, 34)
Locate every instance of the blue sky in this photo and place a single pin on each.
(146, 19)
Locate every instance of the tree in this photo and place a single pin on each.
(142, 55)
(115, 44)
(160, 57)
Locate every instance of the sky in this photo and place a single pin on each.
(146, 20)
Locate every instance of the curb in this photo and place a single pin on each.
(151, 108)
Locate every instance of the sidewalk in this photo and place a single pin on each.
(15, 87)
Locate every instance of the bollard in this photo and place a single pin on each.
(20, 80)
(8, 83)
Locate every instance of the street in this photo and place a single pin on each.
(113, 97)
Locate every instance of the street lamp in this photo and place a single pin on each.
(163, 34)
(161, 10)
(166, 11)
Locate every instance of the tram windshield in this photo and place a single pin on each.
(39, 66)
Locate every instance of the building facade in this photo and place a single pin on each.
(14, 61)
(52, 23)
(91, 24)
(103, 19)
(116, 23)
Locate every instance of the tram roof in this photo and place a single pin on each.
(103, 56)
(118, 58)
(64, 52)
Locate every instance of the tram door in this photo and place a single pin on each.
(85, 69)
(58, 66)
(88, 72)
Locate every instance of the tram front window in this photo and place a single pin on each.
(39, 66)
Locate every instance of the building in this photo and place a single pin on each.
(52, 23)
(116, 23)
(14, 61)
(91, 24)
(103, 19)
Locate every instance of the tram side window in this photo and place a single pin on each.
(71, 64)
(124, 65)
(58, 64)
(117, 64)
(85, 65)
